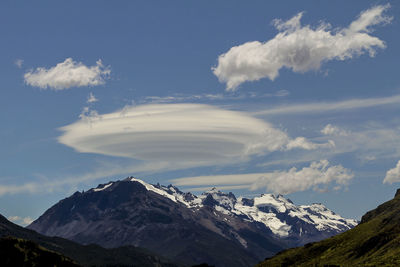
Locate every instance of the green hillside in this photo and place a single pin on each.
(374, 242)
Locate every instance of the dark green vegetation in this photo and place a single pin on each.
(20, 252)
(86, 255)
(374, 242)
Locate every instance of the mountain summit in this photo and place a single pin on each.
(187, 228)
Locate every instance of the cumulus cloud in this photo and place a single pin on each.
(68, 74)
(318, 174)
(192, 133)
(24, 221)
(330, 129)
(299, 48)
(393, 175)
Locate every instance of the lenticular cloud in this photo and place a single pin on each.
(192, 133)
(299, 48)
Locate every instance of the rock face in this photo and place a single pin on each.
(189, 229)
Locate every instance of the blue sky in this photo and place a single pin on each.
(291, 97)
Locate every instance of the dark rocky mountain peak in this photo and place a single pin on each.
(185, 227)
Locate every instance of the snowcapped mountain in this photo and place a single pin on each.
(300, 224)
(285, 219)
(188, 228)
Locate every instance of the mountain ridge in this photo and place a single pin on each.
(185, 227)
(227, 203)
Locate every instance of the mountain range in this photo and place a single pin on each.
(374, 242)
(215, 227)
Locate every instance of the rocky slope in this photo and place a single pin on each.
(187, 228)
(374, 242)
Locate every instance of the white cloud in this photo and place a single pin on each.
(23, 221)
(67, 74)
(209, 97)
(282, 93)
(363, 141)
(330, 106)
(19, 62)
(15, 189)
(299, 48)
(370, 142)
(196, 133)
(91, 98)
(303, 143)
(163, 137)
(318, 174)
(13, 218)
(393, 175)
(330, 129)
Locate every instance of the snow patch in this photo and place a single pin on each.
(101, 189)
(152, 188)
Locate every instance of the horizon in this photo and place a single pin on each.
(290, 98)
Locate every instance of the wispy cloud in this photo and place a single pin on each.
(209, 97)
(330, 106)
(318, 174)
(361, 141)
(300, 48)
(20, 188)
(182, 98)
(330, 129)
(303, 143)
(67, 74)
(369, 142)
(56, 183)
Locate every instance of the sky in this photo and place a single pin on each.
(299, 98)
